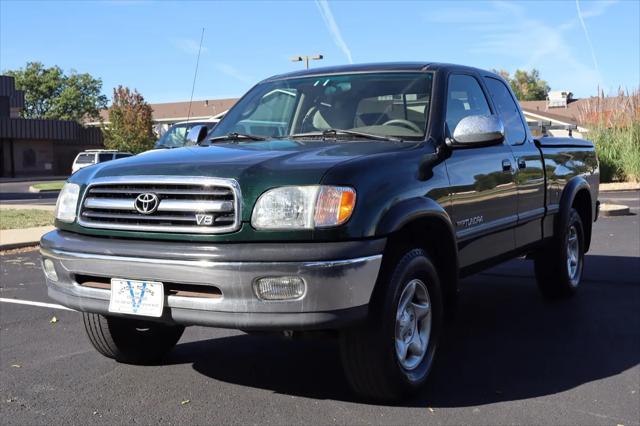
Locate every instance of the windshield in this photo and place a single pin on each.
(176, 136)
(394, 105)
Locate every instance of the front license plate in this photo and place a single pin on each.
(144, 298)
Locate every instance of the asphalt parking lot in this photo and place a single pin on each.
(508, 358)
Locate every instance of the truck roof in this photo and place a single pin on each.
(378, 66)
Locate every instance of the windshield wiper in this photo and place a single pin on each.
(336, 132)
(234, 136)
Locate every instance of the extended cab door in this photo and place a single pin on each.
(482, 186)
(529, 173)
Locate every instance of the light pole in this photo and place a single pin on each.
(306, 59)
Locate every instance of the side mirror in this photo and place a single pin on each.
(196, 134)
(478, 130)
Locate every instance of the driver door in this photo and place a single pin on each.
(482, 185)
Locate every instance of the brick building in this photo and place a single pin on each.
(30, 147)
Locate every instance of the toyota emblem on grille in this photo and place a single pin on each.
(147, 203)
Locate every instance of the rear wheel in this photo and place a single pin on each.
(131, 341)
(392, 354)
(559, 265)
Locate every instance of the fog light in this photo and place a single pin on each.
(49, 269)
(279, 288)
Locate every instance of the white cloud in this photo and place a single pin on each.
(188, 45)
(505, 32)
(231, 71)
(332, 26)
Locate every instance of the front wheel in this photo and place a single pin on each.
(392, 354)
(131, 341)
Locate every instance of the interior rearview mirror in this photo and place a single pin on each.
(196, 134)
(478, 130)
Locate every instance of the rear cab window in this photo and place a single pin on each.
(464, 98)
(515, 132)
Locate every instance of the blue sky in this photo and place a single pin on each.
(152, 46)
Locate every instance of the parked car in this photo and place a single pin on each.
(95, 156)
(348, 199)
(176, 136)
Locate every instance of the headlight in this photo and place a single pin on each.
(303, 207)
(67, 202)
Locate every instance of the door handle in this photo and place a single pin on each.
(522, 163)
(506, 165)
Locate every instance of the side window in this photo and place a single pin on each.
(271, 115)
(514, 129)
(122, 156)
(104, 157)
(464, 98)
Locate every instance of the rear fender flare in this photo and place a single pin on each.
(575, 185)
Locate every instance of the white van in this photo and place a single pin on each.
(95, 156)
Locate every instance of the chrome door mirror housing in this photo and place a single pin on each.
(478, 130)
(196, 134)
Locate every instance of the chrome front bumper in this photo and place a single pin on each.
(337, 291)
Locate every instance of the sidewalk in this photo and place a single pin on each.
(619, 186)
(17, 238)
(5, 206)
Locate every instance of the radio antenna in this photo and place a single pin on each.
(195, 74)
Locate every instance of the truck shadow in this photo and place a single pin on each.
(506, 343)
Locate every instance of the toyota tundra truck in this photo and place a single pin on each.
(345, 201)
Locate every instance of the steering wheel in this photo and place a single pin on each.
(403, 123)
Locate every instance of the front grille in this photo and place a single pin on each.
(162, 204)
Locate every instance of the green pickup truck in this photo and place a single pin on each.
(344, 201)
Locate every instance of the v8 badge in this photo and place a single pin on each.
(204, 219)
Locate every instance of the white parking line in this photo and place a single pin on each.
(32, 303)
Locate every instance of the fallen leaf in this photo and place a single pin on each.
(53, 320)
(16, 365)
(185, 402)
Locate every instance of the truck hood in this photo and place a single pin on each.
(257, 166)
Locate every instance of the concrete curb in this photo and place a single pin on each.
(14, 246)
(619, 186)
(33, 178)
(614, 210)
(37, 190)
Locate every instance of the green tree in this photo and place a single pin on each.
(52, 94)
(130, 122)
(527, 85)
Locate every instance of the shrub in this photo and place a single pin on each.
(614, 127)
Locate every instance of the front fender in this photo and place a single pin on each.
(409, 210)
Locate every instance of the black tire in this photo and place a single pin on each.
(131, 341)
(369, 355)
(556, 278)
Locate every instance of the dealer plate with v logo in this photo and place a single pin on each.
(145, 298)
